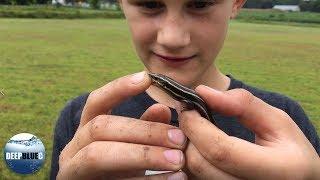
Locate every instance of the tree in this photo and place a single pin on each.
(264, 4)
(261, 4)
(43, 1)
(94, 4)
(316, 6)
(22, 2)
(6, 2)
(313, 6)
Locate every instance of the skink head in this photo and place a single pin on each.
(159, 79)
(173, 88)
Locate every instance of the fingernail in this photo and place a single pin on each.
(138, 77)
(176, 136)
(173, 156)
(177, 176)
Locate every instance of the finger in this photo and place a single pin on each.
(123, 129)
(166, 176)
(103, 99)
(223, 151)
(264, 120)
(157, 113)
(199, 168)
(106, 156)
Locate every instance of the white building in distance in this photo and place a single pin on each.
(62, 2)
(287, 7)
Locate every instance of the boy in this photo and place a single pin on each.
(256, 137)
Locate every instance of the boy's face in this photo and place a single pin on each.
(189, 33)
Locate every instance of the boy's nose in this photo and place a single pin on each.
(173, 35)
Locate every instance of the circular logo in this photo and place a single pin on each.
(24, 153)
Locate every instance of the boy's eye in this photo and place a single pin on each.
(199, 5)
(154, 6)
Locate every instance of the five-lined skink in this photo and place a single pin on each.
(182, 94)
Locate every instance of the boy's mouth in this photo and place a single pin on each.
(174, 59)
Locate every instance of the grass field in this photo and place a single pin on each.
(44, 63)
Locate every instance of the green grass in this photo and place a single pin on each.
(44, 63)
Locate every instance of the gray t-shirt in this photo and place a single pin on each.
(134, 107)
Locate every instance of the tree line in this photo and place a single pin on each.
(24, 2)
(305, 5)
(31, 2)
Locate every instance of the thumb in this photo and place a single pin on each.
(263, 119)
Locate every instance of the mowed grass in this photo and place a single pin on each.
(45, 63)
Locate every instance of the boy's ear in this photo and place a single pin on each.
(237, 5)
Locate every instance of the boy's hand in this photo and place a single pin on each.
(107, 146)
(281, 150)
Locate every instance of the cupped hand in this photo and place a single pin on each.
(280, 151)
(108, 147)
